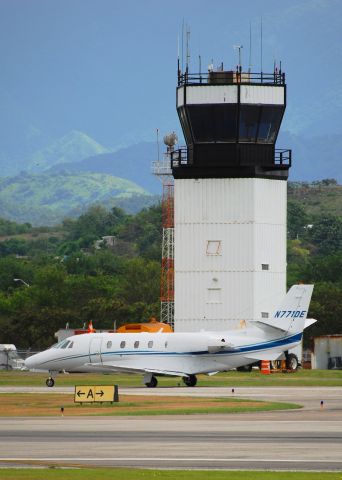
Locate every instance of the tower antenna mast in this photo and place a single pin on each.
(183, 46)
(250, 47)
(261, 45)
(187, 48)
(158, 153)
(238, 47)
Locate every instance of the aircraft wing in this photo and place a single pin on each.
(136, 369)
(265, 355)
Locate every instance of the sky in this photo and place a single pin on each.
(109, 67)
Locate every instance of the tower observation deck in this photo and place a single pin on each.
(230, 199)
(233, 117)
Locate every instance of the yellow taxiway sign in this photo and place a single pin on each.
(94, 393)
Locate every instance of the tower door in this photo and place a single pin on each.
(95, 350)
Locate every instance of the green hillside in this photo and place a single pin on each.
(45, 199)
(317, 198)
(73, 147)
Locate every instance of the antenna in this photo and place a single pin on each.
(187, 47)
(238, 47)
(178, 66)
(261, 44)
(250, 47)
(183, 45)
(158, 144)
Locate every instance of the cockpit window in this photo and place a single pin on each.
(63, 344)
(71, 345)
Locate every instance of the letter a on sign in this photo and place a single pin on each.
(90, 393)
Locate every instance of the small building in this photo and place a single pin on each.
(9, 358)
(327, 352)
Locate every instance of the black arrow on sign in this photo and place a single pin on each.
(100, 393)
(79, 393)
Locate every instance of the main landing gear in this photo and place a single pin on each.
(150, 381)
(190, 381)
(292, 362)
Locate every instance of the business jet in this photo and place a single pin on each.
(181, 354)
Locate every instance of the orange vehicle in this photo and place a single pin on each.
(153, 326)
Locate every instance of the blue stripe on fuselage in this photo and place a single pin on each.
(237, 351)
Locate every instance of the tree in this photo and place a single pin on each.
(296, 220)
(326, 234)
(326, 307)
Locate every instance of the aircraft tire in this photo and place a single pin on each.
(152, 383)
(50, 382)
(292, 362)
(190, 381)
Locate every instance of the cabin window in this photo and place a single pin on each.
(136, 344)
(109, 344)
(65, 344)
(123, 344)
(71, 345)
(150, 344)
(165, 344)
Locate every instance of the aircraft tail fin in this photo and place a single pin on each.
(290, 317)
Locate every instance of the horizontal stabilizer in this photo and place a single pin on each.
(309, 321)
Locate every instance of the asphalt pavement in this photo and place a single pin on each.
(307, 439)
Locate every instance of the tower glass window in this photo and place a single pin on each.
(269, 124)
(185, 125)
(213, 123)
(249, 119)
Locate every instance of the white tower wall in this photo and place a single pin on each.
(230, 251)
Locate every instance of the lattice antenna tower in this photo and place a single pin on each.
(162, 170)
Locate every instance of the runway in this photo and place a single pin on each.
(309, 439)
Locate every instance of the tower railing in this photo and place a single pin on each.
(282, 158)
(231, 77)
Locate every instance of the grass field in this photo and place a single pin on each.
(40, 404)
(308, 378)
(136, 474)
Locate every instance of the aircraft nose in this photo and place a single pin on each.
(31, 362)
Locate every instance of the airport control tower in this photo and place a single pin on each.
(230, 199)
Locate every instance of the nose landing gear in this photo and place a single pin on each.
(50, 382)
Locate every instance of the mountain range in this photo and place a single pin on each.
(47, 198)
(64, 176)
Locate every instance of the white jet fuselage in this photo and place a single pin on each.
(168, 353)
(182, 354)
